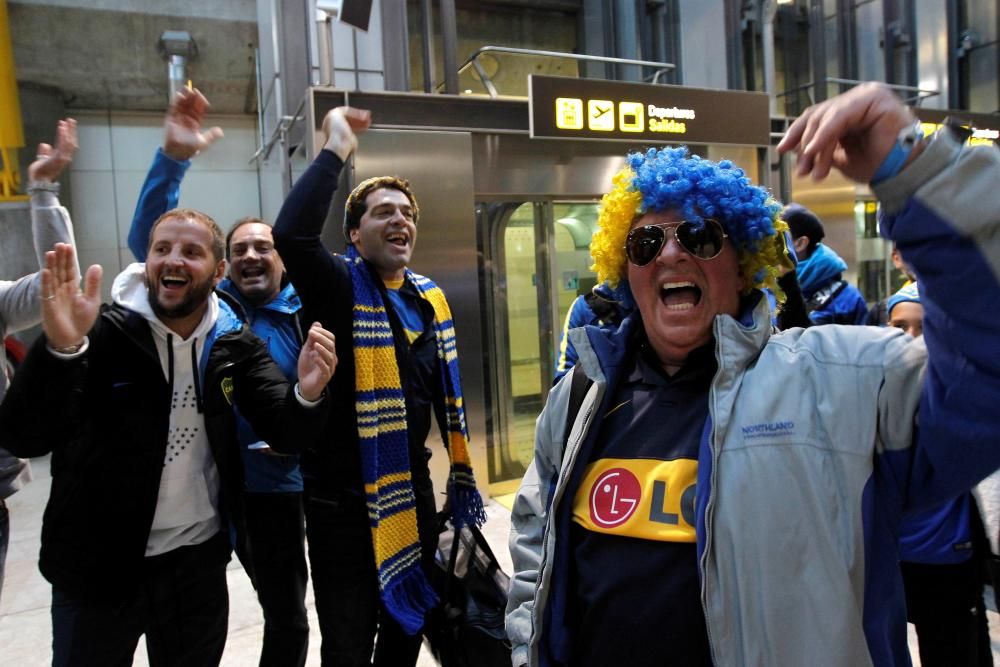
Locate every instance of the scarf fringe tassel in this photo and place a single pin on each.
(408, 599)
(466, 506)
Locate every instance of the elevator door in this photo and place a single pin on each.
(537, 262)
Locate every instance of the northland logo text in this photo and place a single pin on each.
(769, 429)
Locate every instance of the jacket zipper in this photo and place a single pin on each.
(709, 505)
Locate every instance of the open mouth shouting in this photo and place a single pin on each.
(173, 283)
(680, 295)
(251, 272)
(398, 238)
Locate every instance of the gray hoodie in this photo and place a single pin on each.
(20, 308)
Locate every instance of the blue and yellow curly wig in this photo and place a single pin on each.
(668, 180)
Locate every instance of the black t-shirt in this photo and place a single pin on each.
(636, 593)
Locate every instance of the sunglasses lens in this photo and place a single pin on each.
(643, 244)
(703, 240)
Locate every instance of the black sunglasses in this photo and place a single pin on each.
(702, 239)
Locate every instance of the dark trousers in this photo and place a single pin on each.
(276, 532)
(4, 538)
(945, 604)
(181, 605)
(345, 582)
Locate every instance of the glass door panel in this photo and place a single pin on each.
(574, 224)
(525, 398)
(537, 262)
(509, 232)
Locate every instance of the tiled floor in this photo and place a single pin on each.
(25, 627)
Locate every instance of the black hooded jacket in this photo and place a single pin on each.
(104, 417)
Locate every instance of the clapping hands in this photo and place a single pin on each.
(317, 362)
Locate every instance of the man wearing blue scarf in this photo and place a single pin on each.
(829, 298)
(370, 505)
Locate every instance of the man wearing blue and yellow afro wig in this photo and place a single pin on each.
(706, 490)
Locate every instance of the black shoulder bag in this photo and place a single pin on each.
(467, 628)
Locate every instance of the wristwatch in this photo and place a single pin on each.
(894, 161)
(43, 186)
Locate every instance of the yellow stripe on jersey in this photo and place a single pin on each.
(642, 498)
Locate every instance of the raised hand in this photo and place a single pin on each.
(317, 362)
(68, 313)
(341, 127)
(50, 162)
(853, 132)
(182, 134)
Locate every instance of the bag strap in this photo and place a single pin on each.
(580, 383)
(606, 310)
(480, 543)
(452, 560)
(826, 295)
(484, 546)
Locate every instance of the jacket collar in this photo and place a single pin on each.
(286, 302)
(230, 318)
(739, 342)
(602, 351)
(135, 325)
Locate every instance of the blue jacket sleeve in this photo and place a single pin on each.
(943, 213)
(160, 193)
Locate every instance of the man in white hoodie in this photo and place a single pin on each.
(135, 404)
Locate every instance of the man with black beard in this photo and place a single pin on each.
(135, 402)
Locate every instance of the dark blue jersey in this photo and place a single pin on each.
(636, 593)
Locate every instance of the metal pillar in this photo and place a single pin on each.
(395, 60)
(449, 46)
(899, 48)
(626, 38)
(847, 43)
(768, 9)
(427, 33)
(595, 38)
(957, 53)
(734, 39)
(817, 49)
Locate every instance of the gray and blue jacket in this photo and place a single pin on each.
(817, 441)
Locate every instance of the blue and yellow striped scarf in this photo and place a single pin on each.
(385, 461)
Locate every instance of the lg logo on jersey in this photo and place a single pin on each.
(614, 497)
(616, 494)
